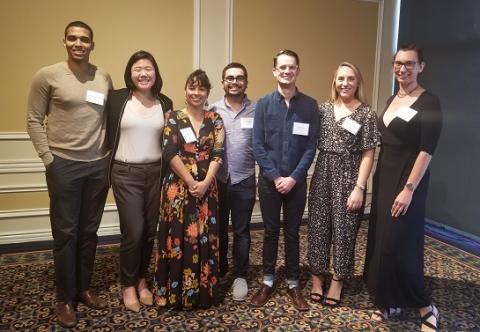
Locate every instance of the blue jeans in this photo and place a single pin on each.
(238, 200)
(271, 202)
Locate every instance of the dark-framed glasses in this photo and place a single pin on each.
(408, 64)
(232, 79)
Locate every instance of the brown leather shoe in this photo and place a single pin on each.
(262, 296)
(91, 300)
(297, 298)
(66, 316)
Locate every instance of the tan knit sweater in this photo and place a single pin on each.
(60, 120)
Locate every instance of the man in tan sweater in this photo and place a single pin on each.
(66, 123)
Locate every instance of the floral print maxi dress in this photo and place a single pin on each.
(186, 266)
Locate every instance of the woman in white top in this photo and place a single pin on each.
(134, 132)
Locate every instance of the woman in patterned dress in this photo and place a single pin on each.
(347, 141)
(186, 273)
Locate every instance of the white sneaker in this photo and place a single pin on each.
(240, 289)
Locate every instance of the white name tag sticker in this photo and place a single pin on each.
(188, 135)
(351, 126)
(300, 128)
(246, 123)
(95, 97)
(405, 113)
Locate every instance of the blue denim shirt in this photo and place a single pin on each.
(278, 150)
(238, 162)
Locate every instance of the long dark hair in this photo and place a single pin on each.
(139, 55)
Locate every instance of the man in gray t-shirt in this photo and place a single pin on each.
(236, 177)
(66, 123)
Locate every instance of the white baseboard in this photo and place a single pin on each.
(33, 225)
(23, 226)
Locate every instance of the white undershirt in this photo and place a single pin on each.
(141, 132)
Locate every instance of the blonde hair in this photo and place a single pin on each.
(360, 93)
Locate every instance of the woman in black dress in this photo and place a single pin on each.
(410, 127)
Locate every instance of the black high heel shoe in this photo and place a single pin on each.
(317, 297)
(334, 302)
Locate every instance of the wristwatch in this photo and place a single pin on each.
(410, 186)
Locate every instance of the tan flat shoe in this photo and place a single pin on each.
(146, 300)
(135, 307)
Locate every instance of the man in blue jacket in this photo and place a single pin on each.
(285, 133)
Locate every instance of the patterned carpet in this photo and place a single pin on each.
(27, 298)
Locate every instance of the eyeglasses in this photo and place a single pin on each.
(284, 68)
(408, 64)
(232, 79)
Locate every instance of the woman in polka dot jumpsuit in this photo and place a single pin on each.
(347, 141)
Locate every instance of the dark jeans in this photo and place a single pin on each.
(136, 188)
(238, 200)
(78, 191)
(271, 202)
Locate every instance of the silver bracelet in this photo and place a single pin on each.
(359, 186)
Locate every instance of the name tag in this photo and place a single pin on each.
(95, 97)
(246, 123)
(188, 135)
(405, 113)
(300, 128)
(351, 126)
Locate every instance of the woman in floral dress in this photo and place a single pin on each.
(186, 272)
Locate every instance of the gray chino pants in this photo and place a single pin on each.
(137, 193)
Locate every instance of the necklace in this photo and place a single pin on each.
(402, 95)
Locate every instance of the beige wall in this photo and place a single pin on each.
(323, 33)
(32, 34)
(181, 35)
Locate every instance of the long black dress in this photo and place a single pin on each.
(394, 260)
